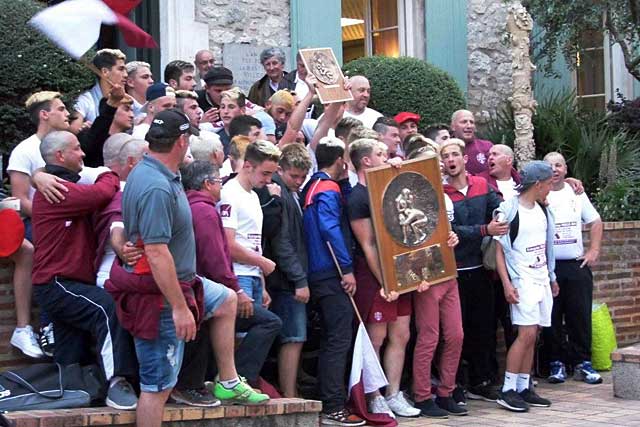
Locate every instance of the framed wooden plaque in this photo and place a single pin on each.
(322, 63)
(410, 223)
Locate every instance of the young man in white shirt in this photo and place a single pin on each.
(242, 217)
(525, 262)
(573, 304)
(48, 113)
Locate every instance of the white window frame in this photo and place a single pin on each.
(403, 27)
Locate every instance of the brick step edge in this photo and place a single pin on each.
(107, 416)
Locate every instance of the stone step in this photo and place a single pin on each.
(626, 372)
(289, 412)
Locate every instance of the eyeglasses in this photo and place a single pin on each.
(214, 179)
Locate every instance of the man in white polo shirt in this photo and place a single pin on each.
(573, 304)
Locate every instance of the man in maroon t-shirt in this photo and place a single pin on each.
(463, 127)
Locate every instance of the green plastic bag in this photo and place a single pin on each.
(603, 337)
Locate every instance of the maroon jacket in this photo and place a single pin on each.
(493, 183)
(213, 259)
(64, 239)
(139, 300)
(103, 221)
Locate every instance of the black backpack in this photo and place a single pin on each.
(51, 386)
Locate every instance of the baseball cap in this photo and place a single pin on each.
(158, 90)
(404, 116)
(532, 172)
(170, 124)
(219, 76)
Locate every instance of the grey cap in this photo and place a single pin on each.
(532, 172)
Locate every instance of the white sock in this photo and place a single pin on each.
(229, 384)
(114, 380)
(523, 382)
(510, 381)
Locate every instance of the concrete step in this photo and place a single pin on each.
(626, 372)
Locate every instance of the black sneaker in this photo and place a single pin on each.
(459, 396)
(450, 405)
(532, 398)
(46, 340)
(483, 391)
(428, 408)
(512, 401)
(192, 397)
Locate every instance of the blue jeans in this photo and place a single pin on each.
(262, 329)
(293, 315)
(160, 359)
(252, 286)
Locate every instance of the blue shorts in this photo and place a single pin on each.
(160, 359)
(252, 286)
(293, 315)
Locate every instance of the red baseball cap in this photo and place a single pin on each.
(12, 232)
(402, 117)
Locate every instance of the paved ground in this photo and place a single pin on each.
(574, 404)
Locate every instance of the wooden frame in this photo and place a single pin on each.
(411, 225)
(322, 63)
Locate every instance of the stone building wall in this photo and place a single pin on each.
(489, 71)
(258, 22)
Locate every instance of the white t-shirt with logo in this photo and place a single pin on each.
(26, 158)
(240, 210)
(571, 211)
(507, 188)
(368, 117)
(530, 246)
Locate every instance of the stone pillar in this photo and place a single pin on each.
(519, 26)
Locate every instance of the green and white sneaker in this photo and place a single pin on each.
(241, 394)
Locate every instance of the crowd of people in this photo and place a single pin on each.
(176, 231)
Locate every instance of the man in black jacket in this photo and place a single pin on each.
(288, 283)
(473, 204)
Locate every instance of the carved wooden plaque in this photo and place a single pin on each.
(410, 224)
(323, 65)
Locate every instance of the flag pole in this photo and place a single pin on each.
(84, 61)
(335, 260)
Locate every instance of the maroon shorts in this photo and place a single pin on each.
(372, 307)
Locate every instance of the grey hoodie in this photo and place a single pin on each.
(509, 208)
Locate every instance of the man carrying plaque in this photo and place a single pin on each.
(384, 319)
(326, 226)
(473, 204)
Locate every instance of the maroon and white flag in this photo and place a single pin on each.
(366, 376)
(74, 25)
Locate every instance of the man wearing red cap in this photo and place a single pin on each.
(407, 123)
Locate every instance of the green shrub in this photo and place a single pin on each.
(30, 63)
(409, 84)
(619, 201)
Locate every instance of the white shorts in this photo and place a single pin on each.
(534, 308)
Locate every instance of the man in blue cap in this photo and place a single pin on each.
(526, 264)
(160, 97)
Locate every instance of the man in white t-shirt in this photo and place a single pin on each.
(241, 216)
(573, 305)
(525, 262)
(501, 174)
(48, 113)
(361, 90)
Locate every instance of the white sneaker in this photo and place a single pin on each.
(399, 405)
(378, 405)
(27, 341)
